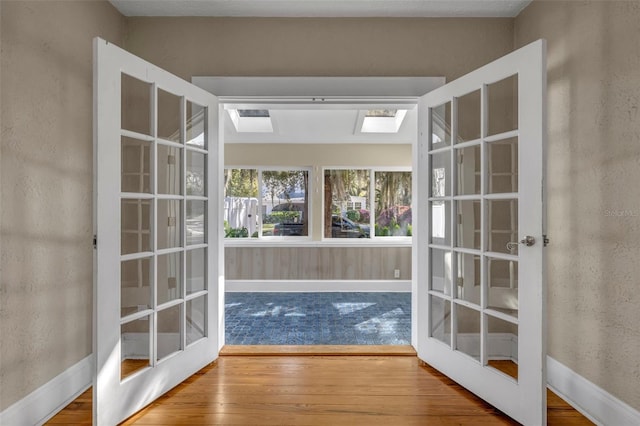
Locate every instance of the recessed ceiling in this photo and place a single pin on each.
(323, 8)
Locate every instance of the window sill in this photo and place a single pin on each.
(329, 242)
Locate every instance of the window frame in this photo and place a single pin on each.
(373, 239)
(261, 239)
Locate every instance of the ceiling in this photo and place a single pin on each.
(301, 125)
(323, 8)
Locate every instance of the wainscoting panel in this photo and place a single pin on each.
(317, 263)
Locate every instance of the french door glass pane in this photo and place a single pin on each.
(196, 174)
(502, 99)
(135, 166)
(440, 319)
(169, 277)
(441, 124)
(468, 117)
(468, 331)
(441, 271)
(503, 223)
(503, 166)
(196, 270)
(469, 220)
(135, 219)
(169, 170)
(135, 345)
(196, 221)
(503, 286)
(441, 222)
(135, 108)
(169, 337)
(196, 315)
(441, 174)
(196, 129)
(468, 278)
(169, 223)
(135, 286)
(502, 346)
(469, 170)
(168, 116)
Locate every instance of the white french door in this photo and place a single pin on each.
(156, 295)
(479, 259)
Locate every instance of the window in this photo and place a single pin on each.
(359, 200)
(266, 203)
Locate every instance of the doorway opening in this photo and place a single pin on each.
(317, 208)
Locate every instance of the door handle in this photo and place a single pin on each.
(527, 241)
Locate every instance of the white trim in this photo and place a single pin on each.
(317, 286)
(46, 401)
(592, 401)
(284, 242)
(315, 87)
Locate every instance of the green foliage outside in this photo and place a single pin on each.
(237, 233)
(281, 217)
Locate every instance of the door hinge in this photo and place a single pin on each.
(545, 240)
(95, 241)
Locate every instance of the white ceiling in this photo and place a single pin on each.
(302, 125)
(323, 8)
(320, 109)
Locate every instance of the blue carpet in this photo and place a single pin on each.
(318, 318)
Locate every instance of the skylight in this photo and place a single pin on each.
(383, 120)
(253, 113)
(251, 120)
(381, 113)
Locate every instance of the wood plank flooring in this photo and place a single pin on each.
(318, 390)
(327, 350)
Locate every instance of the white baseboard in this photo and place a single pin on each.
(593, 402)
(317, 286)
(43, 403)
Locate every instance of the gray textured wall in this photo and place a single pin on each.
(47, 169)
(593, 193)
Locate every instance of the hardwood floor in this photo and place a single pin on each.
(318, 390)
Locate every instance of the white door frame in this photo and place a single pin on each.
(334, 92)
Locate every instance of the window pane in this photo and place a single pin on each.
(393, 204)
(135, 217)
(503, 105)
(347, 204)
(196, 270)
(168, 116)
(135, 106)
(168, 224)
(169, 336)
(241, 203)
(135, 166)
(196, 319)
(196, 174)
(196, 126)
(169, 277)
(134, 346)
(441, 124)
(135, 286)
(196, 222)
(169, 170)
(440, 319)
(285, 204)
